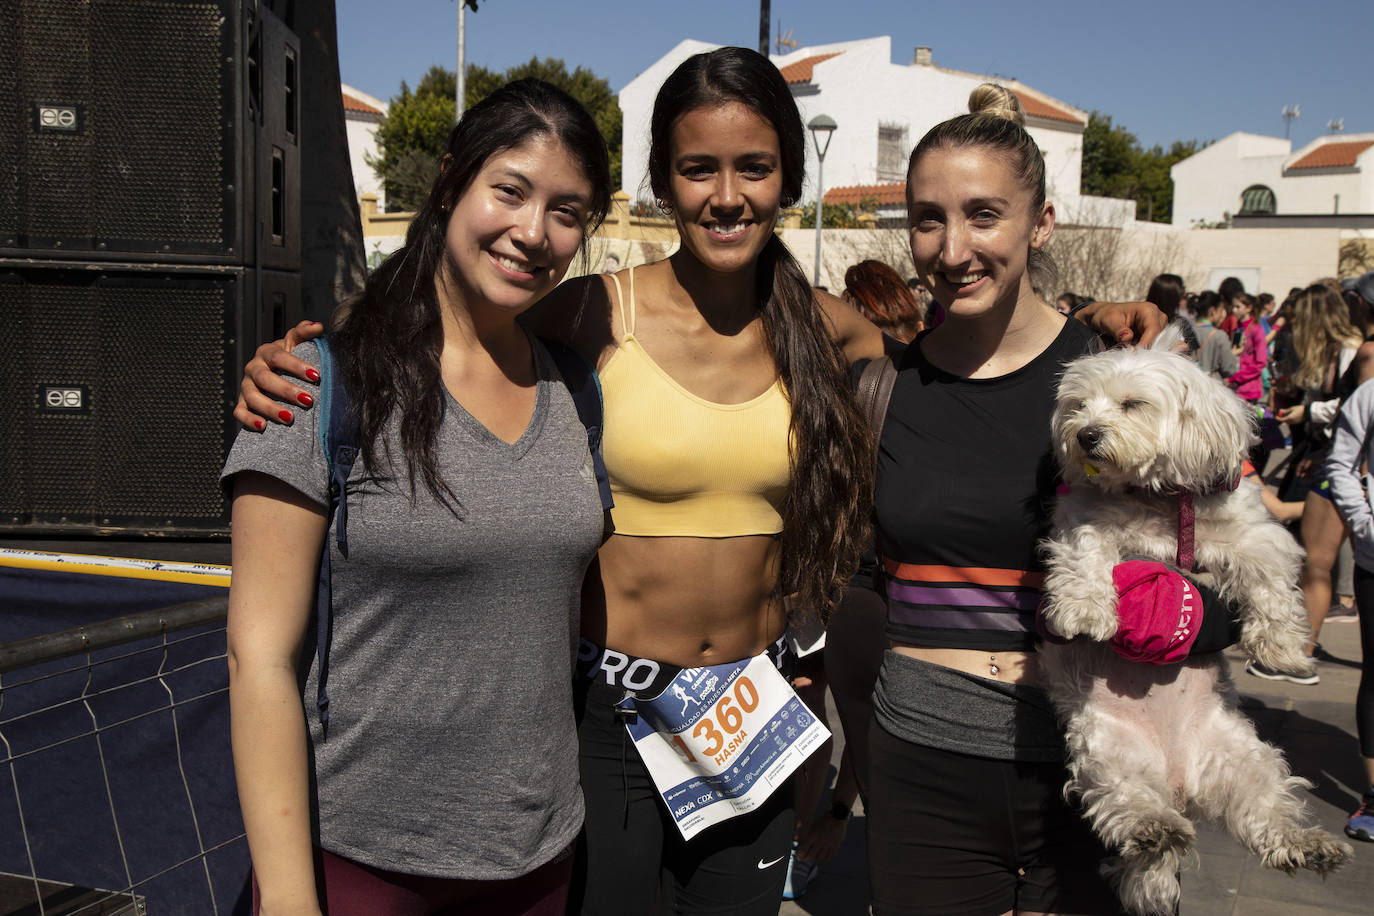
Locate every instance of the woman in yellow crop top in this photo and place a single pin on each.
(740, 466)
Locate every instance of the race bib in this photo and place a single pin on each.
(720, 740)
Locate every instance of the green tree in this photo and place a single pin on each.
(1114, 165)
(1109, 158)
(838, 216)
(415, 130)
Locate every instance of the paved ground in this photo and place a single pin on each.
(1316, 728)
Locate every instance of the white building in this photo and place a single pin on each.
(362, 114)
(882, 109)
(1250, 175)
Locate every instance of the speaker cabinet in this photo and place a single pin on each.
(115, 394)
(149, 234)
(162, 130)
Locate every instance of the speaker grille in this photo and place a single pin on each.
(12, 126)
(148, 167)
(165, 112)
(143, 436)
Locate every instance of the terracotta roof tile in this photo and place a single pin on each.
(1333, 155)
(352, 104)
(1039, 108)
(800, 71)
(887, 195)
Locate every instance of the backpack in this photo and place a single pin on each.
(339, 441)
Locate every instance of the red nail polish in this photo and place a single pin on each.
(312, 375)
(284, 416)
(304, 399)
(259, 425)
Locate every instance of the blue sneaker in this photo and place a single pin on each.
(1361, 823)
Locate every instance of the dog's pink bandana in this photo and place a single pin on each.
(1158, 612)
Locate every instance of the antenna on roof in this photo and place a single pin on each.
(1336, 125)
(784, 43)
(1289, 114)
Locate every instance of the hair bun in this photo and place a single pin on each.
(998, 101)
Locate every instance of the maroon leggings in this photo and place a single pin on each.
(348, 888)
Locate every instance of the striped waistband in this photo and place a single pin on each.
(962, 598)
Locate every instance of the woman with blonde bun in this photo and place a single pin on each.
(966, 758)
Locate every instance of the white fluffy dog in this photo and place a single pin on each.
(1152, 746)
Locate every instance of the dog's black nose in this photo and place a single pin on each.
(1089, 437)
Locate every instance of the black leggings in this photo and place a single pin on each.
(1364, 697)
(630, 847)
(951, 834)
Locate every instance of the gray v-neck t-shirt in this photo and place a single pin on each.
(451, 749)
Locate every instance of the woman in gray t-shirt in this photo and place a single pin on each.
(448, 769)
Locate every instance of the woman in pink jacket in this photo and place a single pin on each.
(1254, 353)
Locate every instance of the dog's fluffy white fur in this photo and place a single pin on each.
(1153, 746)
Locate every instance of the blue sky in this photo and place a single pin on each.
(1165, 69)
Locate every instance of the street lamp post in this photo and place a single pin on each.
(460, 97)
(820, 126)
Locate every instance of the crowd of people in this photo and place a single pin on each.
(488, 634)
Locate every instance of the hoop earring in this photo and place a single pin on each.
(664, 205)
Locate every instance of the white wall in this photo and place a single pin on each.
(863, 89)
(636, 108)
(860, 89)
(1311, 191)
(1209, 184)
(362, 141)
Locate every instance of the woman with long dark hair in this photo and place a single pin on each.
(440, 768)
(739, 463)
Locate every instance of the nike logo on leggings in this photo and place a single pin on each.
(763, 864)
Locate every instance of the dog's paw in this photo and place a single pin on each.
(1285, 655)
(1158, 837)
(1100, 627)
(1146, 887)
(1067, 619)
(1311, 848)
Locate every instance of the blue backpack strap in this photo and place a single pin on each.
(338, 435)
(585, 387)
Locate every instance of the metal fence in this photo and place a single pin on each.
(116, 782)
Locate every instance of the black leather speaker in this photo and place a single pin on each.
(149, 130)
(115, 392)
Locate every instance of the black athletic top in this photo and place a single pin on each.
(965, 491)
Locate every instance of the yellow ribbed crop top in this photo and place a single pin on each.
(683, 466)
